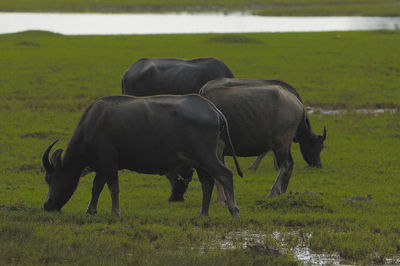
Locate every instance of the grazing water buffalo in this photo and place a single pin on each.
(265, 115)
(154, 76)
(153, 135)
(259, 83)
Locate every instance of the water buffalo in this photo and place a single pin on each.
(152, 76)
(265, 115)
(152, 135)
(258, 83)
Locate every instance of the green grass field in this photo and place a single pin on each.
(262, 7)
(47, 80)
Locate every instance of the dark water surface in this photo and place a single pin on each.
(217, 22)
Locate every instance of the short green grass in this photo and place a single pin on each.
(262, 7)
(47, 80)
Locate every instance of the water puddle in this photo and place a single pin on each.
(315, 110)
(303, 254)
(242, 240)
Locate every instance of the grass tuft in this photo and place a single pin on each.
(297, 202)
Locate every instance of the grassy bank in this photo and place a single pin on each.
(336, 69)
(262, 7)
(47, 80)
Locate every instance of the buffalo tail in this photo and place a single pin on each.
(228, 136)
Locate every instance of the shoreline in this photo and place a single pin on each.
(387, 9)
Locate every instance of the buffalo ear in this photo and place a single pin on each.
(56, 158)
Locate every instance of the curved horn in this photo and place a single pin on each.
(324, 136)
(45, 159)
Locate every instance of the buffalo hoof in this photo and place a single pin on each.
(273, 194)
(203, 213)
(252, 168)
(91, 212)
(221, 201)
(116, 213)
(176, 199)
(235, 213)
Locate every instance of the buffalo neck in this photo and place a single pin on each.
(305, 135)
(72, 161)
(304, 131)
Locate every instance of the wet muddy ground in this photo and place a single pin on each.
(301, 252)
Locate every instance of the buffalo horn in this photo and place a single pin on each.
(324, 136)
(45, 159)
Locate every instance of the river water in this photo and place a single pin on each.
(217, 22)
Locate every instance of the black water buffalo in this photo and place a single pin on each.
(152, 76)
(265, 115)
(153, 135)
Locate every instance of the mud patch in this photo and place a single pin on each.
(277, 244)
(13, 207)
(26, 43)
(231, 38)
(243, 239)
(257, 242)
(27, 167)
(360, 198)
(37, 169)
(40, 134)
(302, 252)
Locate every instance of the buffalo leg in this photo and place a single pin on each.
(276, 165)
(207, 185)
(227, 182)
(225, 177)
(113, 185)
(179, 180)
(98, 184)
(221, 198)
(257, 162)
(285, 163)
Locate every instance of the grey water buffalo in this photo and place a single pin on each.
(257, 83)
(152, 76)
(152, 135)
(265, 115)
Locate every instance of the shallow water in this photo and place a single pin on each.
(312, 110)
(217, 22)
(301, 252)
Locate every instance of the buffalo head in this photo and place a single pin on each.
(60, 184)
(311, 149)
